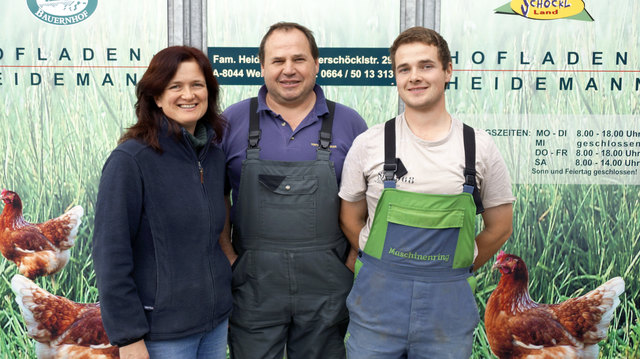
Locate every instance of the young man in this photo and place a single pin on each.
(283, 152)
(409, 205)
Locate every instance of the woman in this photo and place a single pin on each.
(164, 283)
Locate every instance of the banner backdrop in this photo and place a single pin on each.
(559, 92)
(560, 95)
(560, 98)
(68, 71)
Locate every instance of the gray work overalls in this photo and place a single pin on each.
(289, 282)
(413, 293)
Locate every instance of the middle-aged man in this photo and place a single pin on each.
(411, 189)
(285, 151)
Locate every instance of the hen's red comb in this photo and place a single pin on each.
(501, 255)
(4, 191)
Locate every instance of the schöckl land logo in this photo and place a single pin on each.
(547, 9)
(62, 12)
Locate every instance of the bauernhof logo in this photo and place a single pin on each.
(547, 9)
(62, 12)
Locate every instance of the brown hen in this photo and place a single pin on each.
(37, 249)
(61, 328)
(519, 328)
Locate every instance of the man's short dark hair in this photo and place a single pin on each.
(286, 26)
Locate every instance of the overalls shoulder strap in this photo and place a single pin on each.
(325, 133)
(324, 142)
(392, 165)
(253, 151)
(470, 165)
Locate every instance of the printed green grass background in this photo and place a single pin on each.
(54, 140)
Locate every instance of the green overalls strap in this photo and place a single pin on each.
(416, 265)
(290, 282)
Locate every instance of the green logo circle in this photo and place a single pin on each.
(62, 12)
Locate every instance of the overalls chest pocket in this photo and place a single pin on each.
(422, 238)
(288, 206)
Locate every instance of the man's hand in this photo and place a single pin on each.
(351, 259)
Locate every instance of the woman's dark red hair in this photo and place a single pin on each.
(162, 68)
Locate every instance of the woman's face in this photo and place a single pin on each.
(185, 99)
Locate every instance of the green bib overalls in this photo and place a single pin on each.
(413, 295)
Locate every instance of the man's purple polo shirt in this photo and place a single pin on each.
(279, 143)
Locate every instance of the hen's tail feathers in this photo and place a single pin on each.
(62, 231)
(74, 216)
(609, 293)
(28, 297)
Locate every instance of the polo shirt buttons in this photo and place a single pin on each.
(287, 187)
(283, 123)
(291, 138)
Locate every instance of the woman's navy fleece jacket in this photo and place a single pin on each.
(161, 273)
